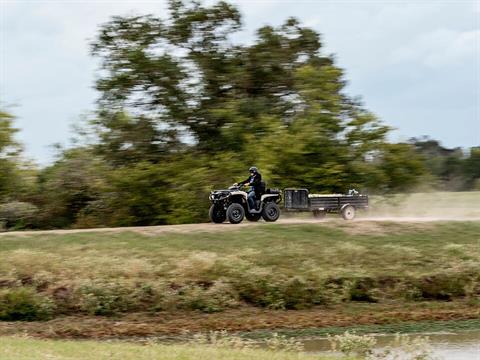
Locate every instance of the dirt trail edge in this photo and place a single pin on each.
(209, 227)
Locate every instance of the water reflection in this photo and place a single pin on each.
(448, 346)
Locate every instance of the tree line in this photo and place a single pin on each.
(183, 110)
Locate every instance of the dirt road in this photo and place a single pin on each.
(332, 220)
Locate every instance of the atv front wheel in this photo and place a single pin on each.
(271, 212)
(217, 214)
(235, 213)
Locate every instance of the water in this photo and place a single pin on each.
(447, 346)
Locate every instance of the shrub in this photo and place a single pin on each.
(352, 344)
(362, 290)
(215, 298)
(17, 214)
(444, 286)
(260, 290)
(105, 298)
(277, 292)
(24, 304)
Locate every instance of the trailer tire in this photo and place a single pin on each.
(217, 214)
(319, 214)
(348, 212)
(271, 212)
(235, 213)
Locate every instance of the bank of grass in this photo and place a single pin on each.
(12, 348)
(392, 328)
(271, 266)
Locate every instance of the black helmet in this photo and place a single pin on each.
(253, 169)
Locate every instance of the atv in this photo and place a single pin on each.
(232, 204)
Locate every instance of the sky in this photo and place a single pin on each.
(415, 64)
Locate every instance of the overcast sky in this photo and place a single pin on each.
(416, 64)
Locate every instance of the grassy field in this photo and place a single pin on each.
(28, 349)
(343, 272)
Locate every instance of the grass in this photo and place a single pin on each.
(330, 250)
(394, 328)
(12, 348)
(268, 265)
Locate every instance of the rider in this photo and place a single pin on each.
(255, 181)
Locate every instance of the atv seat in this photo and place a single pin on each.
(258, 194)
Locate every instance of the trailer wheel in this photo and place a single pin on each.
(235, 213)
(319, 214)
(348, 212)
(271, 212)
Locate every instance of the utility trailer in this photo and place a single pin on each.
(320, 205)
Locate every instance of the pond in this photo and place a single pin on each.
(463, 345)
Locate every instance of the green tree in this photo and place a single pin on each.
(471, 169)
(75, 181)
(183, 110)
(402, 167)
(9, 151)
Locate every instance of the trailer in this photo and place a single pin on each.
(320, 205)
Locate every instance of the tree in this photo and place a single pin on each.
(446, 165)
(184, 72)
(9, 150)
(75, 181)
(471, 169)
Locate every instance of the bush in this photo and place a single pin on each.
(353, 344)
(443, 286)
(215, 298)
(24, 304)
(105, 298)
(17, 214)
(275, 292)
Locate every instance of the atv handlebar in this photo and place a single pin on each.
(236, 186)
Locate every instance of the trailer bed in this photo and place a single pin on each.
(320, 204)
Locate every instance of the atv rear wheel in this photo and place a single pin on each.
(252, 217)
(235, 213)
(217, 214)
(271, 212)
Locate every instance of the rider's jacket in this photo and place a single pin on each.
(255, 181)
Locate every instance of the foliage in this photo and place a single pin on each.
(352, 344)
(184, 110)
(451, 169)
(104, 299)
(65, 188)
(403, 348)
(18, 214)
(9, 149)
(24, 304)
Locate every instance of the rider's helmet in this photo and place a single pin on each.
(253, 169)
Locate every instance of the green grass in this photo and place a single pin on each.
(377, 248)
(29, 349)
(274, 265)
